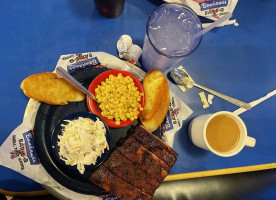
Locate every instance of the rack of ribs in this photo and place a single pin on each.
(154, 144)
(136, 168)
(130, 173)
(144, 159)
(112, 183)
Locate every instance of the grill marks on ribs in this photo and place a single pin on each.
(154, 145)
(130, 173)
(136, 168)
(112, 183)
(144, 159)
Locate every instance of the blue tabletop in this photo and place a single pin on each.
(238, 61)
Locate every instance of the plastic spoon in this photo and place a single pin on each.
(213, 25)
(182, 78)
(66, 76)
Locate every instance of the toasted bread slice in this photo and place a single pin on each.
(48, 88)
(157, 95)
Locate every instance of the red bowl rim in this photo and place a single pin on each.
(92, 104)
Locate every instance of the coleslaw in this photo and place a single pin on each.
(82, 141)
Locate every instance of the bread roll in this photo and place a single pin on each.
(48, 88)
(157, 96)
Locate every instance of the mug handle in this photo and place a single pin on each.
(250, 141)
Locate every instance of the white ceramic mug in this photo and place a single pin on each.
(197, 133)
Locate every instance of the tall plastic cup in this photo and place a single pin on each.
(170, 36)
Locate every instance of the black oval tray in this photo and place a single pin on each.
(46, 119)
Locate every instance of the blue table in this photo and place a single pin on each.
(238, 61)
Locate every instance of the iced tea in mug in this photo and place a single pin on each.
(222, 133)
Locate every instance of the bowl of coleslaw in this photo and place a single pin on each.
(81, 141)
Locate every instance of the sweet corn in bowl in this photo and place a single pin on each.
(120, 98)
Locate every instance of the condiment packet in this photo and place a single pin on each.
(203, 99)
(129, 51)
(210, 98)
(211, 9)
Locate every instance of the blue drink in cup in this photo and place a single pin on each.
(170, 36)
